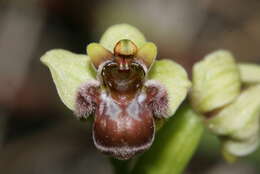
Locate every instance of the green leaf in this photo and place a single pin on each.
(118, 32)
(216, 81)
(174, 144)
(174, 78)
(68, 71)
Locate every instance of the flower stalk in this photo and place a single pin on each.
(174, 145)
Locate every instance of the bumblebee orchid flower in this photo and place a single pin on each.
(122, 85)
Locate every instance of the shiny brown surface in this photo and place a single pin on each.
(123, 81)
(124, 132)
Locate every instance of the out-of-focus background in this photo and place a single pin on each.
(38, 134)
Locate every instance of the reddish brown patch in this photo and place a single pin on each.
(124, 135)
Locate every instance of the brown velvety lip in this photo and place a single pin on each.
(123, 132)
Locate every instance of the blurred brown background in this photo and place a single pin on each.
(39, 135)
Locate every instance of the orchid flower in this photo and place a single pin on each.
(122, 85)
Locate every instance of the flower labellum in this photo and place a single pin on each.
(122, 86)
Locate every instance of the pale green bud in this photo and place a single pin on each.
(250, 73)
(233, 115)
(68, 71)
(239, 123)
(240, 148)
(239, 119)
(216, 81)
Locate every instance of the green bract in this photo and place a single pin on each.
(68, 71)
(216, 81)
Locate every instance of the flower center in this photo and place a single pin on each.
(122, 76)
(123, 82)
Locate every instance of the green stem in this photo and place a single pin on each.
(120, 167)
(174, 144)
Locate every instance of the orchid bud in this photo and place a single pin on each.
(240, 122)
(216, 81)
(234, 118)
(229, 112)
(250, 73)
(122, 85)
(238, 148)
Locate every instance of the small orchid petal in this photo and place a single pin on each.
(147, 53)
(98, 54)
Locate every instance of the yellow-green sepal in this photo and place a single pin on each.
(175, 80)
(68, 71)
(119, 32)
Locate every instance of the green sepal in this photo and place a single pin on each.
(118, 32)
(68, 71)
(174, 78)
